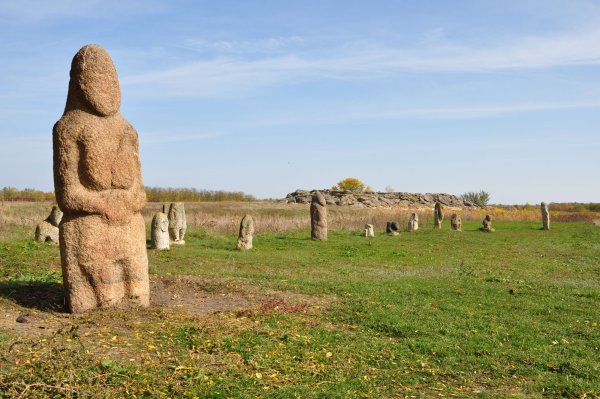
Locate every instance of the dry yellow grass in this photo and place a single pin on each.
(269, 216)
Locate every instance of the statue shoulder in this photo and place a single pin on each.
(69, 126)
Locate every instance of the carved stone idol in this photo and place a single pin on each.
(392, 228)
(98, 185)
(177, 223)
(318, 217)
(413, 222)
(159, 233)
(244, 241)
(456, 222)
(487, 225)
(47, 231)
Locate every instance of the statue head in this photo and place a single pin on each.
(94, 85)
(319, 198)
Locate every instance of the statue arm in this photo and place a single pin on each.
(135, 197)
(71, 195)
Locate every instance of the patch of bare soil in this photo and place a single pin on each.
(43, 312)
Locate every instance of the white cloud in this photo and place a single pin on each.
(229, 75)
(268, 45)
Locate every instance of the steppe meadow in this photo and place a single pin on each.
(300, 199)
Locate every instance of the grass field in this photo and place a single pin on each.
(427, 314)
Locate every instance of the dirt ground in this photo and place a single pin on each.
(39, 310)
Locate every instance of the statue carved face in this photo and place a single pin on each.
(164, 224)
(94, 82)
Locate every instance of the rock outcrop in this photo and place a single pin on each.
(380, 200)
(98, 185)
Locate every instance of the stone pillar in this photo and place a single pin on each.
(369, 231)
(318, 217)
(545, 216)
(98, 185)
(438, 215)
(159, 233)
(244, 241)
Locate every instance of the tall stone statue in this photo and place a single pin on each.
(456, 222)
(246, 233)
(438, 215)
(318, 217)
(98, 185)
(413, 222)
(47, 231)
(545, 216)
(159, 233)
(177, 223)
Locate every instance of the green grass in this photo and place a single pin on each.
(428, 314)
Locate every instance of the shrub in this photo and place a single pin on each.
(350, 184)
(481, 198)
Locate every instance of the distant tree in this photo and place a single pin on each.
(160, 194)
(27, 194)
(350, 184)
(481, 198)
(389, 189)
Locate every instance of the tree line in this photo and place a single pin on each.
(153, 194)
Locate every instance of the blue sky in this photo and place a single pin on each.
(270, 96)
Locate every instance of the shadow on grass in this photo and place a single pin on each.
(44, 296)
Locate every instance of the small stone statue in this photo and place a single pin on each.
(369, 231)
(487, 225)
(392, 228)
(545, 216)
(159, 235)
(413, 222)
(177, 223)
(456, 222)
(47, 231)
(438, 215)
(244, 241)
(318, 217)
